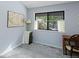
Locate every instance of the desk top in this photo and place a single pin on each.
(66, 36)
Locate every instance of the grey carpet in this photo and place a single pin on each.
(35, 51)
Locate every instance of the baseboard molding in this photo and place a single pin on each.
(48, 45)
(8, 49)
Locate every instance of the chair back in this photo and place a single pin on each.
(74, 40)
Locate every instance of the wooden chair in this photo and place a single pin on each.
(72, 45)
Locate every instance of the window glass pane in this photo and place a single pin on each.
(53, 19)
(61, 26)
(52, 25)
(42, 20)
(50, 21)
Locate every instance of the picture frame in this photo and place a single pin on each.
(14, 19)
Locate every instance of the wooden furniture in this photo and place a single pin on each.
(65, 38)
(72, 44)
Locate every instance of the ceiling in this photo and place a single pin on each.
(32, 4)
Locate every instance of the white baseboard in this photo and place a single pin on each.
(48, 44)
(9, 49)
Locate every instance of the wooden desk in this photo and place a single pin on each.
(65, 38)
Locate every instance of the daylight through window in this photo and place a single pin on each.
(50, 20)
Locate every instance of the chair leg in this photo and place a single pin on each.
(65, 51)
(71, 52)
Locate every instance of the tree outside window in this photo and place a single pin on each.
(49, 20)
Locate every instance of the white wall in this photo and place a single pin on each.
(71, 23)
(49, 38)
(10, 37)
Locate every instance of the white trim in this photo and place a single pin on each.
(8, 49)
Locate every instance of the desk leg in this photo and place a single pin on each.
(65, 51)
(64, 48)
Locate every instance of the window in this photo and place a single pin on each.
(42, 20)
(50, 20)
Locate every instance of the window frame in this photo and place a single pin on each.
(48, 17)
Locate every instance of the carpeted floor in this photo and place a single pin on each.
(35, 51)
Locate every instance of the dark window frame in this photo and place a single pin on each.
(48, 17)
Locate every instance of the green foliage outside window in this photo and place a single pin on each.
(49, 21)
(42, 22)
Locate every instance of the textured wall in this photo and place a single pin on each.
(10, 37)
(71, 23)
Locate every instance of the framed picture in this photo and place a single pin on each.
(14, 19)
